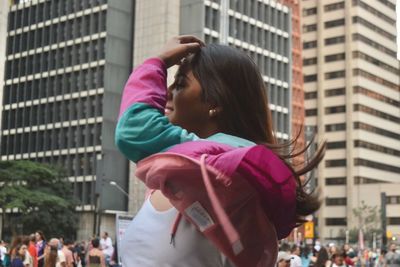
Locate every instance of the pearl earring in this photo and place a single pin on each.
(212, 112)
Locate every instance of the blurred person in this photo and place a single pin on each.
(295, 254)
(322, 259)
(96, 257)
(32, 249)
(53, 256)
(3, 252)
(107, 247)
(69, 258)
(40, 246)
(392, 257)
(28, 262)
(338, 259)
(18, 257)
(283, 259)
(306, 255)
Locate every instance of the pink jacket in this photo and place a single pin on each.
(242, 199)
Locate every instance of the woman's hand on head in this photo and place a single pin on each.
(178, 48)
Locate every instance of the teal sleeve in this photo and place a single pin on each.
(142, 130)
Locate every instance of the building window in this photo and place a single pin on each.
(335, 201)
(311, 95)
(377, 113)
(335, 40)
(377, 79)
(335, 109)
(376, 165)
(335, 57)
(374, 11)
(310, 44)
(335, 221)
(378, 46)
(374, 28)
(310, 28)
(364, 180)
(309, 11)
(335, 163)
(388, 3)
(393, 220)
(376, 62)
(336, 145)
(335, 92)
(310, 78)
(335, 74)
(376, 130)
(335, 181)
(334, 23)
(375, 95)
(311, 112)
(309, 61)
(377, 148)
(392, 200)
(334, 6)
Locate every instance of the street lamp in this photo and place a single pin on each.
(113, 183)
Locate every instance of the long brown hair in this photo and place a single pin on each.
(51, 254)
(232, 81)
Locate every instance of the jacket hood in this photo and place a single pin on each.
(264, 170)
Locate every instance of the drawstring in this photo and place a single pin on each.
(175, 228)
(223, 218)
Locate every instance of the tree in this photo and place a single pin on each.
(368, 220)
(41, 196)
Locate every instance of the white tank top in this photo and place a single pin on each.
(146, 242)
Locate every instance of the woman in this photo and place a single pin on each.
(19, 257)
(322, 258)
(95, 256)
(218, 96)
(40, 246)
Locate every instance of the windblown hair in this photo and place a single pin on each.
(50, 258)
(232, 81)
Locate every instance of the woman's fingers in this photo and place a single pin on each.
(190, 39)
(178, 48)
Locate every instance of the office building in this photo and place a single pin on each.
(65, 66)
(352, 98)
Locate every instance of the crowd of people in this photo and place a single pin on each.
(37, 251)
(336, 256)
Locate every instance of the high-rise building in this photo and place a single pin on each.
(65, 66)
(352, 98)
(298, 116)
(262, 29)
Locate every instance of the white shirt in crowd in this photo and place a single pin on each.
(106, 246)
(295, 261)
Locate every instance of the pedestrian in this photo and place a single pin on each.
(107, 247)
(96, 257)
(216, 113)
(322, 258)
(392, 258)
(53, 255)
(40, 246)
(283, 259)
(338, 258)
(18, 258)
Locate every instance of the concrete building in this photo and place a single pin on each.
(262, 29)
(65, 66)
(352, 98)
